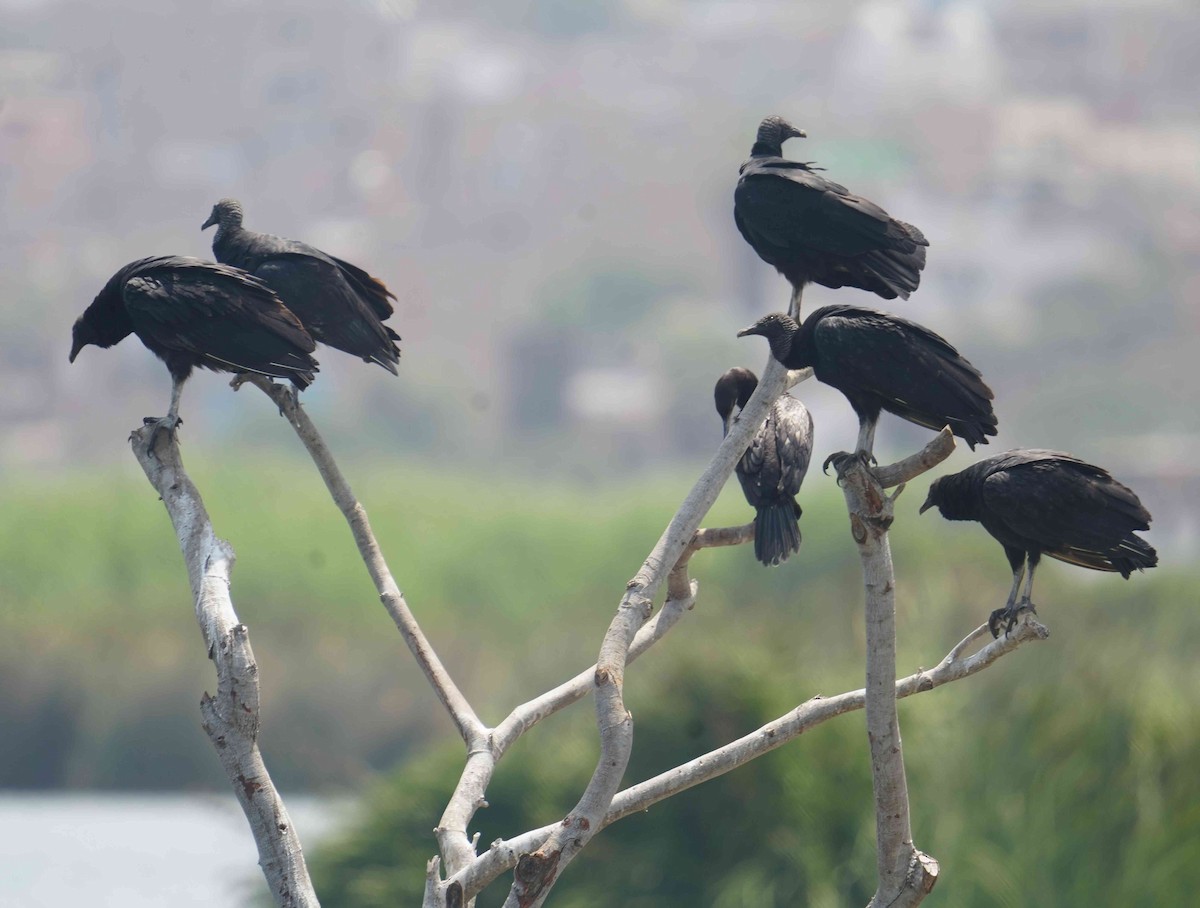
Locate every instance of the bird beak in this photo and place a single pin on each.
(76, 346)
(800, 134)
(212, 219)
(927, 505)
(745, 332)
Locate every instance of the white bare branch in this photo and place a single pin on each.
(230, 718)
(536, 872)
(469, 726)
(504, 854)
(905, 874)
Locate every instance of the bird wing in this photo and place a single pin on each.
(1074, 511)
(793, 427)
(370, 288)
(784, 204)
(224, 316)
(917, 373)
(750, 467)
(251, 250)
(329, 305)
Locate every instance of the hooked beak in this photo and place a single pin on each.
(799, 134)
(745, 332)
(927, 505)
(212, 219)
(76, 346)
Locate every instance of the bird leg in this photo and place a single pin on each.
(171, 421)
(794, 304)
(866, 442)
(1007, 617)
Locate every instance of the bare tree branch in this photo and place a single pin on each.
(504, 854)
(905, 874)
(231, 717)
(536, 872)
(681, 597)
(469, 726)
(914, 465)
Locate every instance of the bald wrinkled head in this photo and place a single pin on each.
(772, 133)
(226, 214)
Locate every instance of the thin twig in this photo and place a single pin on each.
(231, 718)
(465, 720)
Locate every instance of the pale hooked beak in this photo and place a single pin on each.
(927, 505)
(745, 332)
(212, 219)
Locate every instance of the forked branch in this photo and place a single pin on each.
(536, 872)
(503, 854)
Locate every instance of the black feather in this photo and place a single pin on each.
(193, 313)
(815, 230)
(1051, 503)
(339, 303)
(882, 362)
(773, 467)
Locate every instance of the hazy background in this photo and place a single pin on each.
(547, 187)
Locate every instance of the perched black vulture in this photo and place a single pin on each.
(340, 304)
(1038, 503)
(774, 465)
(194, 313)
(812, 229)
(881, 362)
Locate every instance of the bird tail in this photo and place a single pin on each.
(1134, 554)
(776, 532)
(1131, 554)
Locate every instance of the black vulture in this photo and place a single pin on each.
(195, 313)
(1038, 503)
(339, 303)
(774, 465)
(812, 229)
(881, 362)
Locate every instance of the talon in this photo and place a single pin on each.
(165, 424)
(841, 462)
(993, 622)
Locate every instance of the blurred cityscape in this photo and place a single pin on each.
(547, 186)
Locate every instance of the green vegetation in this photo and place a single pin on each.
(1064, 775)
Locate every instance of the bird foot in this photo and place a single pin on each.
(168, 424)
(1007, 617)
(843, 460)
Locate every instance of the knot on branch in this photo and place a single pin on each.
(454, 895)
(606, 676)
(638, 602)
(922, 873)
(535, 871)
